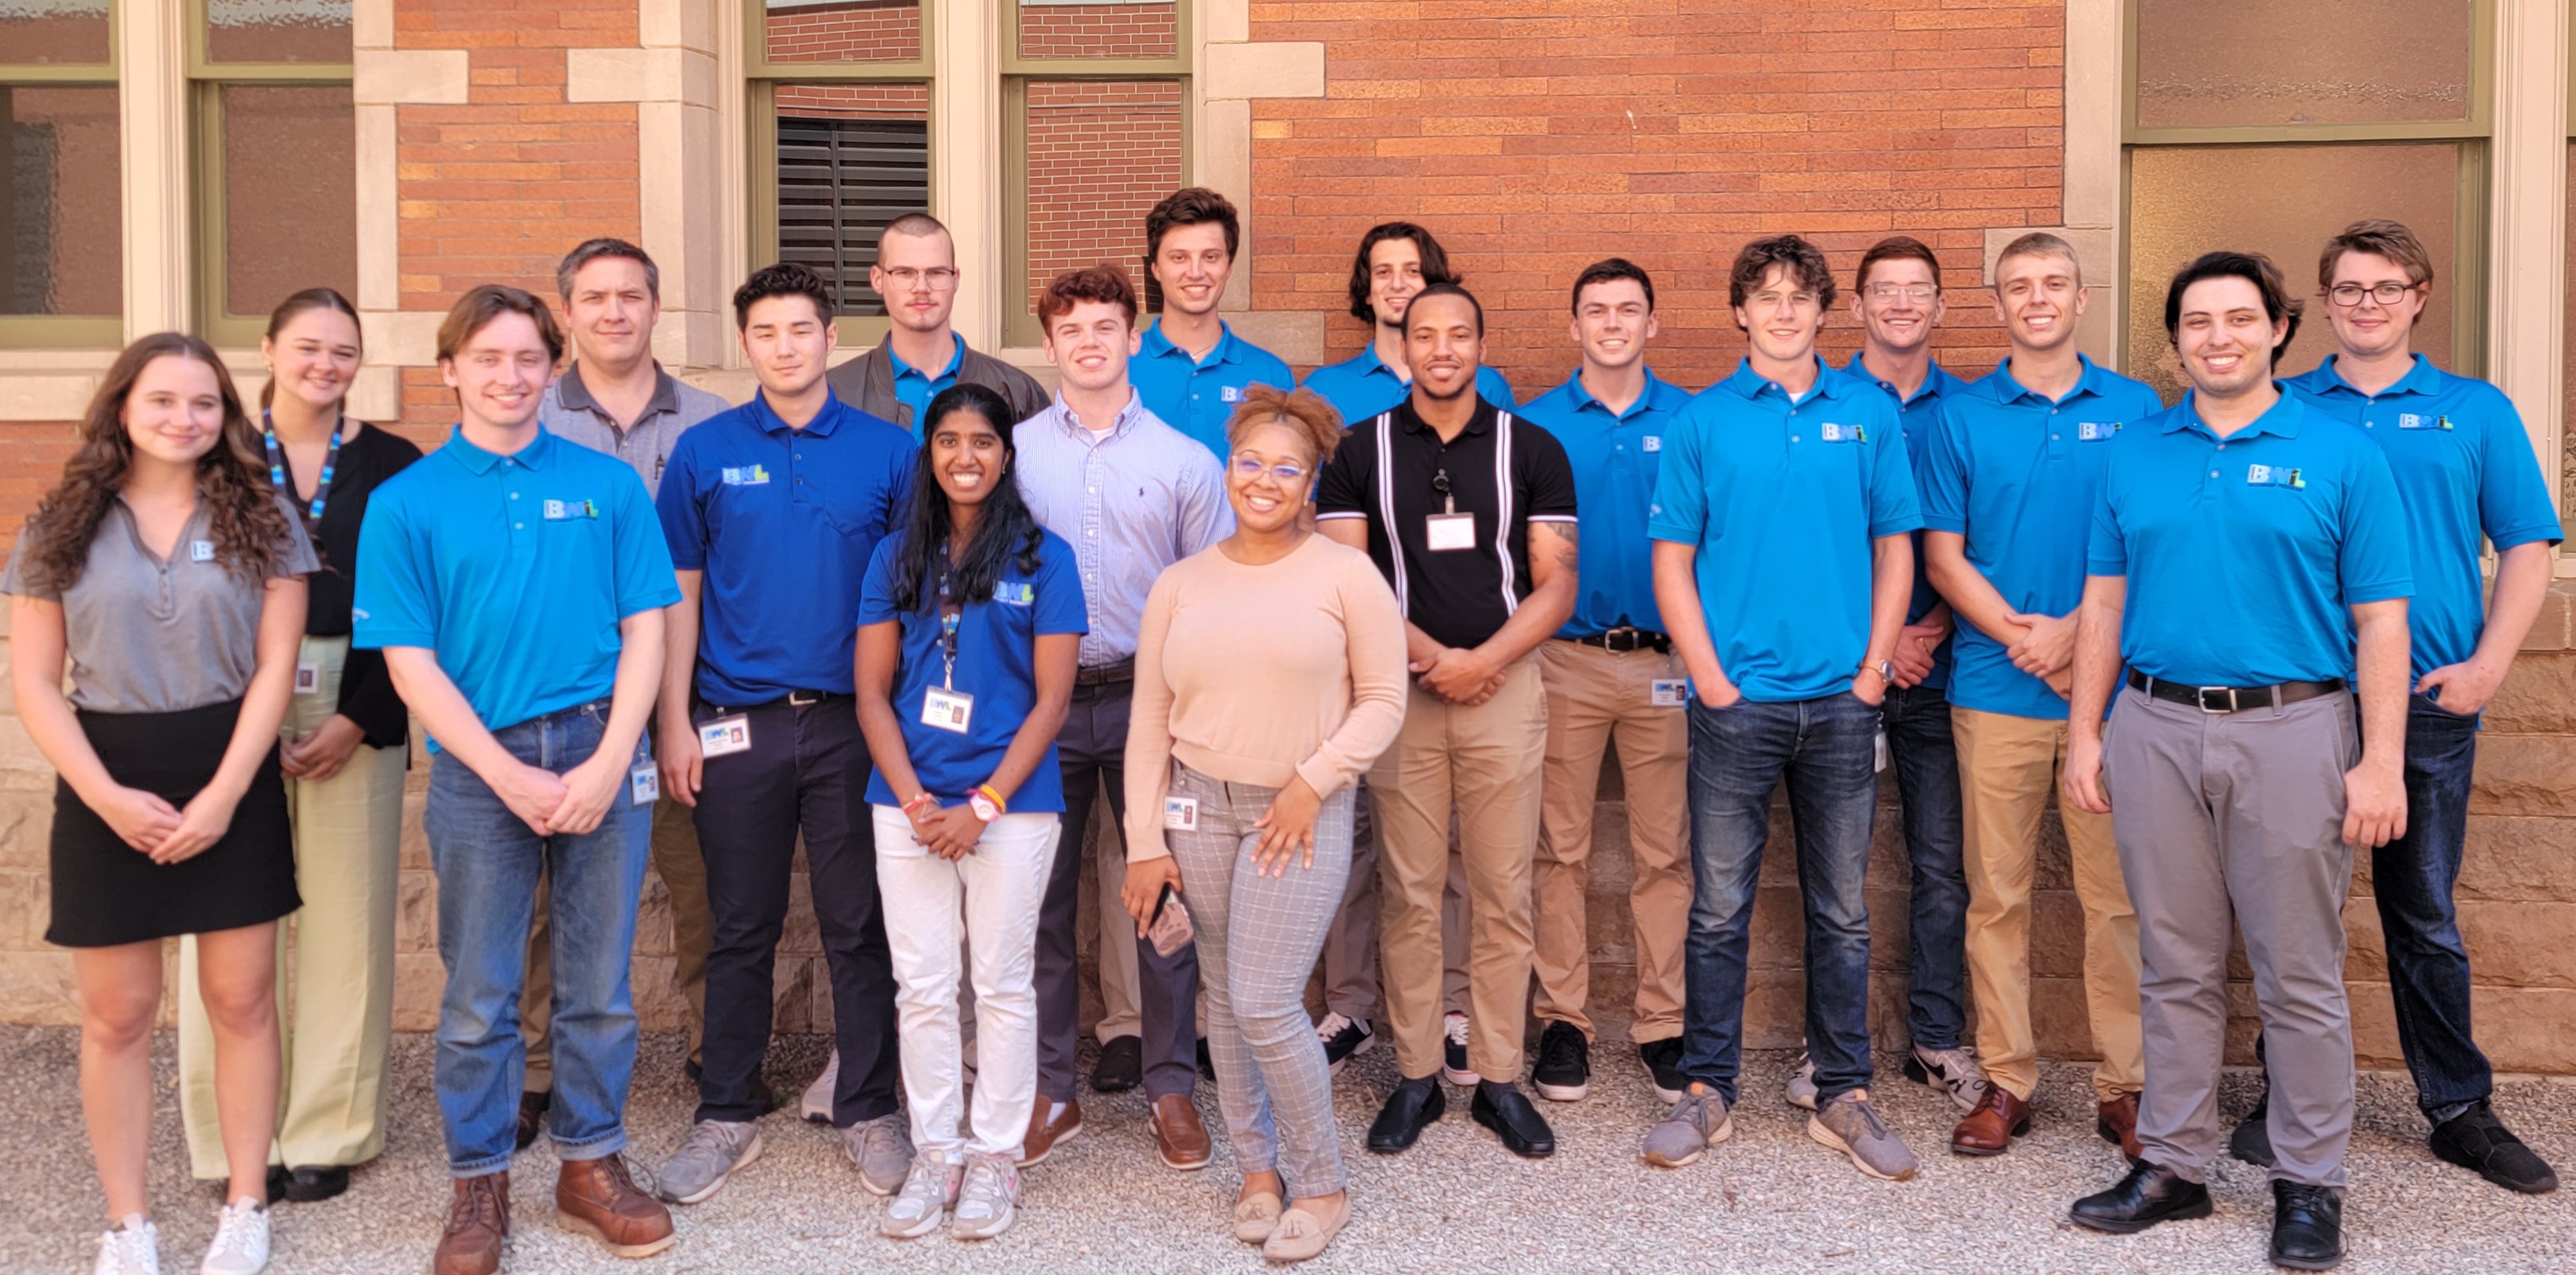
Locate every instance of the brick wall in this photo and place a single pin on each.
(862, 31)
(1099, 30)
(1100, 154)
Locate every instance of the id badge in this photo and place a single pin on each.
(308, 678)
(724, 736)
(1671, 692)
(947, 710)
(1879, 753)
(1443, 533)
(1181, 814)
(644, 783)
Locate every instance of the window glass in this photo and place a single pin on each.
(277, 31)
(2284, 202)
(851, 158)
(1100, 153)
(844, 30)
(61, 221)
(2207, 63)
(290, 193)
(53, 32)
(1085, 29)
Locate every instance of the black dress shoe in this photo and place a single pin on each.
(1207, 1062)
(532, 1116)
(2307, 1226)
(1121, 1066)
(308, 1185)
(1505, 1110)
(1408, 1111)
(2252, 1140)
(2150, 1194)
(2475, 1139)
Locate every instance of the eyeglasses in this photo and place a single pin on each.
(2350, 294)
(940, 278)
(1916, 292)
(1248, 467)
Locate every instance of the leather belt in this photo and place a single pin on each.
(1106, 674)
(1623, 639)
(2233, 699)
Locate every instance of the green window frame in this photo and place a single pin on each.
(1019, 325)
(2467, 275)
(207, 80)
(66, 331)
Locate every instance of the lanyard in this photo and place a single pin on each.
(948, 619)
(277, 472)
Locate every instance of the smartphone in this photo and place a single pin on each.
(1170, 929)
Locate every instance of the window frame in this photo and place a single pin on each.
(2470, 137)
(206, 81)
(71, 331)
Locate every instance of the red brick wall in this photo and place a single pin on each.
(1534, 136)
(862, 31)
(1100, 155)
(31, 462)
(1099, 30)
(855, 101)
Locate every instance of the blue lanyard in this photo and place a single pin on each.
(277, 476)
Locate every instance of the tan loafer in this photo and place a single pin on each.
(1301, 1235)
(1255, 1217)
(1051, 1125)
(1179, 1136)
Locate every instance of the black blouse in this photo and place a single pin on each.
(366, 689)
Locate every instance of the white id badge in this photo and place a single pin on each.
(947, 709)
(644, 783)
(1445, 532)
(1880, 753)
(724, 736)
(1181, 814)
(308, 678)
(1671, 692)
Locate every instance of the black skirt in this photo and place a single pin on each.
(107, 892)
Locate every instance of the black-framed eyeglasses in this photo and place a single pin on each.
(2350, 294)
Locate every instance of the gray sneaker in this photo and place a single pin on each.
(1953, 1072)
(882, 1151)
(1696, 1123)
(1850, 1125)
(1801, 1091)
(985, 1200)
(714, 1150)
(928, 1190)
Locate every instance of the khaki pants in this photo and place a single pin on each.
(693, 930)
(336, 988)
(1594, 696)
(2008, 768)
(1482, 764)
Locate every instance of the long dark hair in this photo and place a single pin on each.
(249, 527)
(1007, 530)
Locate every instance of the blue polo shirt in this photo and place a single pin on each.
(2018, 474)
(1364, 387)
(996, 663)
(2244, 555)
(1198, 398)
(915, 388)
(514, 569)
(1783, 501)
(1613, 455)
(2464, 469)
(782, 521)
(1914, 417)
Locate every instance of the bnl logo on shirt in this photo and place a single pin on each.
(2410, 420)
(1018, 595)
(568, 510)
(2275, 476)
(1833, 433)
(745, 476)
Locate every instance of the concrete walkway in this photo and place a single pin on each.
(1770, 1200)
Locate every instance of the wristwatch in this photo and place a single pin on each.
(1886, 670)
(988, 804)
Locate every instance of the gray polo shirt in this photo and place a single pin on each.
(569, 412)
(155, 636)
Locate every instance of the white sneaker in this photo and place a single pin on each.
(986, 1198)
(1801, 1091)
(132, 1247)
(817, 1103)
(241, 1240)
(928, 1189)
(1453, 1052)
(1953, 1073)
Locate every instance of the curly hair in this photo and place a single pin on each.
(1304, 412)
(249, 527)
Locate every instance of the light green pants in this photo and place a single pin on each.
(335, 958)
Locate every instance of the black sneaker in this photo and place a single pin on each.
(1663, 1059)
(1564, 1071)
(532, 1116)
(1121, 1066)
(1344, 1039)
(2252, 1140)
(1453, 1051)
(2475, 1139)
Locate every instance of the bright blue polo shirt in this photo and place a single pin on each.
(782, 521)
(514, 569)
(1363, 387)
(2018, 475)
(1613, 456)
(2464, 469)
(1783, 502)
(2243, 555)
(1198, 398)
(1915, 416)
(996, 663)
(915, 388)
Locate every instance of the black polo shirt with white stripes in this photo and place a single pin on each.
(1504, 471)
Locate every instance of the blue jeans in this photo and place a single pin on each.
(1926, 757)
(2412, 877)
(487, 863)
(1826, 749)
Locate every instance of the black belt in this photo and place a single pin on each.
(1625, 638)
(792, 699)
(2233, 699)
(1106, 674)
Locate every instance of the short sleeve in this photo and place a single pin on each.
(2372, 561)
(1342, 490)
(876, 589)
(644, 579)
(16, 583)
(1680, 509)
(1944, 496)
(1893, 509)
(1495, 388)
(2106, 551)
(393, 603)
(681, 509)
(1547, 476)
(295, 556)
(2513, 498)
(1059, 602)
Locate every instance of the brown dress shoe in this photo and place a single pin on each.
(1178, 1135)
(1991, 1125)
(2118, 1122)
(1051, 1125)
(598, 1199)
(478, 1222)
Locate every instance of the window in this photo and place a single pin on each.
(841, 111)
(2270, 127)
(62, 249)
(276, 158)
(1096, 128)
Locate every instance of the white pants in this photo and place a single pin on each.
(994, 893)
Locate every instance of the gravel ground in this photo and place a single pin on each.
(1767, 1200)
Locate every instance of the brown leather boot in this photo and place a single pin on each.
(598, 1198)
(478, 1223)
(2117, 1121)
(1991, 1125)
(1178, 1134)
